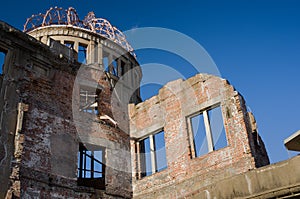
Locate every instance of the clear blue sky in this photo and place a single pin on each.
(254, 43)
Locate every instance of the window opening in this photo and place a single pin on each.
(82, 52)
(91, 167)
(115, 67)
(199, 133)
(217, 128)
(2, 61)
(208, 131)
(51, 42)
(122, 68)
(153, 154)
(69, 44)
(105, 62)
(145, 157)
(89, 99)
(95, 51)
(160, 149)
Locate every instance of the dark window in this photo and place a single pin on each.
(115, 67)
(91, 167)
(153, 154)
(82, 50)
(2, 61)
(208, 131)
(69, 44)
(52, 42)
(122, 68)
(89, 99)
(146, 166)
(96, 53)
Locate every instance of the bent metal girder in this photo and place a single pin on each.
(58, 16)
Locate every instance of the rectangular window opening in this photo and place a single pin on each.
(69, 44)
(2, 61)
(95, 52)
(89, 100)
(208, 131)
(91, 167)
(152, 154)
(199, 135)
(82, 52)
(105, 62)
(122, 68)
(217, 128)
(146, 167)
(115, 67)
(160, 150)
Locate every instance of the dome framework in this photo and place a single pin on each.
(59, 16)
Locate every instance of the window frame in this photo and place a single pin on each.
(141, 159)
(92, 181)
(92, 97)
(208, 131)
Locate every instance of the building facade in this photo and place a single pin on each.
(73, 124)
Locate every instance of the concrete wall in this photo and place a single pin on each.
(170, 110)
(280, 180)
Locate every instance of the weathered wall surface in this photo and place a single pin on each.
(280, 180)
(104, 133)
(170, 110)
(8, 109)
(40, 156)
(40, 135)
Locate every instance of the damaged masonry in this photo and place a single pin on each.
(73, 124)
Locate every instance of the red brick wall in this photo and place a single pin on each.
(170, 109)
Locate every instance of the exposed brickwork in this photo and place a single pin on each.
(40, 159)
(170, 110)
(41, 132)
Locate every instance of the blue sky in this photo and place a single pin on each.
(255, 45)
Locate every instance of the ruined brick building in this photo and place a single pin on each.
(73, 124)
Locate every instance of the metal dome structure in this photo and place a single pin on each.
(59, 16)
